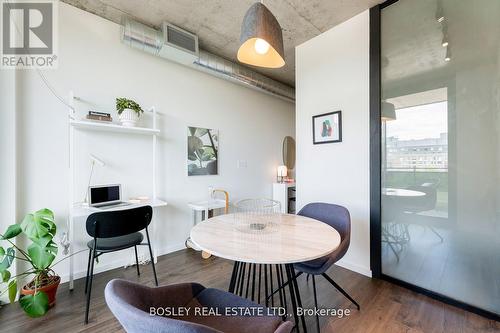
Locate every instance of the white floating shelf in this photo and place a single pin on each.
(102, 126)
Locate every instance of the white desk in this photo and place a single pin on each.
(81, 212)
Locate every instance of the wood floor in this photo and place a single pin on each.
(384, 307)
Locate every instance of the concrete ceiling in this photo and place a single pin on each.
(217, 22)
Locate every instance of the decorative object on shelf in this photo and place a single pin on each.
(327, 127)
(39, 294)
(99, 116)
(261, 38)
(129, 111)
(202, 151)
(282, 172)
(93, 161)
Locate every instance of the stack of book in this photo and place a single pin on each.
(100, 116)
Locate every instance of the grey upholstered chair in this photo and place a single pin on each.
(131, 304)
(337, 217)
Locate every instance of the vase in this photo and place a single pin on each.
(129, 118)
(50, 290)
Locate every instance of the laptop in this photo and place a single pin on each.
(106, 196)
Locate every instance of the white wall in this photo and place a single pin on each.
(332, 74)
(97, 67)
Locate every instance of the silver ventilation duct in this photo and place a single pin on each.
(147, 39)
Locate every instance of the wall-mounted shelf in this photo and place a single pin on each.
(101, 126)
(86, 125)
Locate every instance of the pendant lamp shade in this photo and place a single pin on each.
(261, 39)
(388, 111)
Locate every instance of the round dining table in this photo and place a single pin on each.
(279, 242)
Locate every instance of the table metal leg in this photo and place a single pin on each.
(248, 288)
(289, 275)
(233, 277)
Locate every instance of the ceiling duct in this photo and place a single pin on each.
(181, 46)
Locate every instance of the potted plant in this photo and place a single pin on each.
(38, 294)
(129, 111)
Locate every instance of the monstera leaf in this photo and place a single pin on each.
(12, 231)
(35, 305)
(6, 258)
(42, 256)
(39, 226)
(194, 144)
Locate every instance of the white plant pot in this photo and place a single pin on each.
(129, 118)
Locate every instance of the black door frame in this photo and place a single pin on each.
(376, 170)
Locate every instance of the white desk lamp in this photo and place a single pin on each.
(94, 160)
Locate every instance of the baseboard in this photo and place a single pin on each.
(120, 263)
(355, 268)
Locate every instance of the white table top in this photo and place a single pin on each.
(399, 192)
(204, 205)
(291, 239)
(79, 210)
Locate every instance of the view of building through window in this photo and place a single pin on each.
(417, 150)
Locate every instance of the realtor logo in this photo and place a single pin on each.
(28, 34)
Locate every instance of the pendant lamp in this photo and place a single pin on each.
(261, 39)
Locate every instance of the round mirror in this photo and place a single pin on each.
(289, 152)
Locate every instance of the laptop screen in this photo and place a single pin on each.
(103, 194)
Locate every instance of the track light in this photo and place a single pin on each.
(447, 57)
(445, 42)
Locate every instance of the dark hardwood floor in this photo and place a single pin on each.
(384, 306)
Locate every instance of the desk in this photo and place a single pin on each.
(291, 239)
(81, 212)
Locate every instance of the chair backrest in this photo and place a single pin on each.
(335, 216)
(118, 222)
(131, 304)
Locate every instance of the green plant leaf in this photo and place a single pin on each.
(12, 231)
(41, 257)
(7, 259)
(39, 224)
(12, 290)
(2, 252)
(194, 144)
(5, 276)
(35, 305)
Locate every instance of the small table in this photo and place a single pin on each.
(400, 192)
(205, 208)
(397, 234)
(290, 239)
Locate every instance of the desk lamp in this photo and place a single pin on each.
(94, 160)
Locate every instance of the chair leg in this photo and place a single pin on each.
(315, 303)
(90, 286)
(137, 261)
(88, 269)
(152, 258)
(341, 290)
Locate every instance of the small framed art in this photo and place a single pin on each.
(327, 127)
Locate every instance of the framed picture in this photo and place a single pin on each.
(327, 127)
(202, 151)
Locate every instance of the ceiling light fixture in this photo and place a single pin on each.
(261, 38)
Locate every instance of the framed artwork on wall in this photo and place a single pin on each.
(327, 127)
(202, 151)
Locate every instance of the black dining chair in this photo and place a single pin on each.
(337, 217)
(114, 231)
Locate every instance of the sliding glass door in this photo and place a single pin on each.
(440, 164)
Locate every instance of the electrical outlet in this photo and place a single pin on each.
(240, 164)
